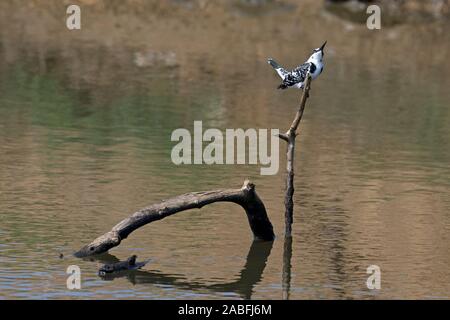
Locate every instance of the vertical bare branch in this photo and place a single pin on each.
(287, 266)
(299, 114)
(289, 137)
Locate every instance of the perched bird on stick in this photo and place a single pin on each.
(297, 77)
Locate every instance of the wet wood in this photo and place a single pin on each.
(246, 197)
(289, 137)
(287, 266)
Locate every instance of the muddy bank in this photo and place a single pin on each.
(393, 12)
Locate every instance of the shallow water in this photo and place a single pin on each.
(83, 146)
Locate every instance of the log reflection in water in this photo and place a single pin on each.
(249, 276)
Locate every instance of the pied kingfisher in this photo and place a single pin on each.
(296, 77)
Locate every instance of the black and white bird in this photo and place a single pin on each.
(296, 77)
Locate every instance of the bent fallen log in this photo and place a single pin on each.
(246, 197)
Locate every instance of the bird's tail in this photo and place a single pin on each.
(279, 69)
(282, 86)
(273, 63)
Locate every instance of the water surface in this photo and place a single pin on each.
(85, 141)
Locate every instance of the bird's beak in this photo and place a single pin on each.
(323, 46)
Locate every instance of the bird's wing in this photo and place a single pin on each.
(297, 75)
(301, 71)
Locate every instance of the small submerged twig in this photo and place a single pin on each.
(129, 264)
